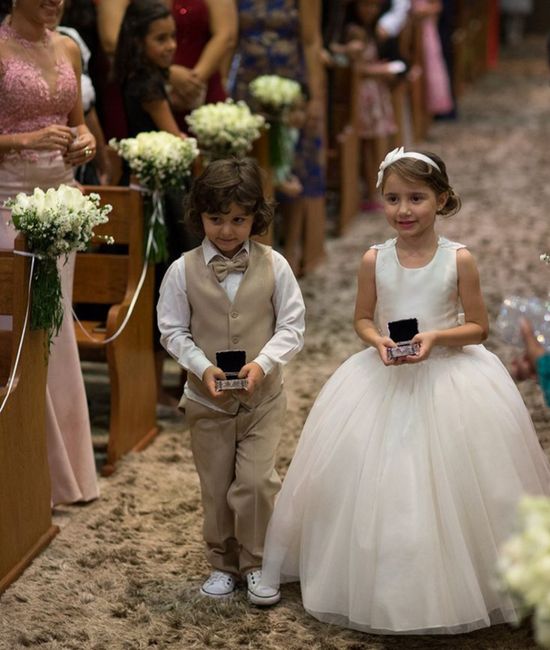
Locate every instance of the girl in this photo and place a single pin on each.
(146, 45)
(375, 111)
(232, 294)
(407, 475)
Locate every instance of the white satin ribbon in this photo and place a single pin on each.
(397, 154)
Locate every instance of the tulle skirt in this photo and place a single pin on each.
(402, 489)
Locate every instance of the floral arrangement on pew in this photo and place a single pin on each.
(160, 161)
(56, 223)
(225, 128)
(525, 565)
(281, 101)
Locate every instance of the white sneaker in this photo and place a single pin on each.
(259, 594)
(218, 585)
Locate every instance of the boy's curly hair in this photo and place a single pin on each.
(227, 181)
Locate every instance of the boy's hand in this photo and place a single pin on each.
(209, 380)
(254, 374)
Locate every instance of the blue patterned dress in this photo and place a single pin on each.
(270, 43)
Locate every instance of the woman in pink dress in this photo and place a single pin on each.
(42, 137)
(439, 99)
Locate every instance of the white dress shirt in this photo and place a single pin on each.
(174, 316)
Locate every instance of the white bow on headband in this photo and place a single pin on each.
(397, 154)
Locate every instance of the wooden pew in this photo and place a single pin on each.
(344, 147)
(106, 278)
(25, 491)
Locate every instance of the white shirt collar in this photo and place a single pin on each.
(210, 251)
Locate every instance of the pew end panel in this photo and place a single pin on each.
(111, 279)
(344, 145)
(25, 488)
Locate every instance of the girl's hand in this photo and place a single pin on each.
(382, 346)
(426, 340)
(82, 150)
(209, 380)
(50, 138)
(188, 91)
(254, 374)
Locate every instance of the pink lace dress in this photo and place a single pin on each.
(376, 117)
(28, 103)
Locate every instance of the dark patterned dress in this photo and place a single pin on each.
(269, 43)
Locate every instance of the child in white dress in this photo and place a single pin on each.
(408, 471)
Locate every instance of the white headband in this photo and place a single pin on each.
(397, 154)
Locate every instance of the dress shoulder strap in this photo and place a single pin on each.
(390, 243)
(447, 243)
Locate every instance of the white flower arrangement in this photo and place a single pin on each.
(545, 257)
(525, 564)
(275, 93)
(225, 128)
(159, 159)
(55, 222)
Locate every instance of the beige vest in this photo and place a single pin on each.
(246, 324)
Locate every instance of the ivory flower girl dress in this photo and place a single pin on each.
(406, 478)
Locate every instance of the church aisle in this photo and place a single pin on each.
(124, 571)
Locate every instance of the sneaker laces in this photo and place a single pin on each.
(218, 576)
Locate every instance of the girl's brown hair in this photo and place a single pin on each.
(414, 170)
(227, 181)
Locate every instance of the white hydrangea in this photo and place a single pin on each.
(57, 221)
(159, 159)
(225, 128)
(274, 92)
(524, 564)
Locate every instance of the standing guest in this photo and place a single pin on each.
(98, 170)
(232, 293)
(144, 53)
(42, 138)
(534, 362)
(410, 468)
(283, 37)
(206, 34)
(145, 49)
(110, 109)
(439, 100)
(376, 120)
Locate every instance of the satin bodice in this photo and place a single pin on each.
(428, 293)
(27, 102)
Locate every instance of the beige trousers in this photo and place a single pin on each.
(235, 459)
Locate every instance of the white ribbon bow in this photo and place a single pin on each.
(395, 154)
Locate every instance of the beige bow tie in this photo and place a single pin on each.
(222, 266)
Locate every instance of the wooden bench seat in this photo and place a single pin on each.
(25, 490)
(110, 279)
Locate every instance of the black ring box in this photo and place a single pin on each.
(401, 332)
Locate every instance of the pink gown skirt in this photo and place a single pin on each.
(439, 98)
(68, 434)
